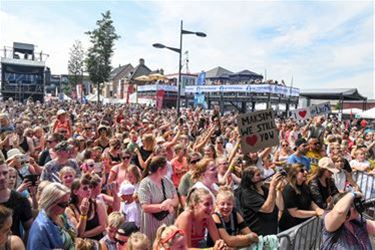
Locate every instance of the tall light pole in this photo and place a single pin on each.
(179, 51)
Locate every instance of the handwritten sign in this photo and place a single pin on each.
(312, 111)
(257, 130)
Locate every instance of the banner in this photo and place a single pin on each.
(312, 111)
(257, 130)
(159, 99)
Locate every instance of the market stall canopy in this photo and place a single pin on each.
(157, 76)
(332, 94)
(143, 78)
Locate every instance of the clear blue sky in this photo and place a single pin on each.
(321, 44)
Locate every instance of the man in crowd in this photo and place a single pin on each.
(299, 155)
(52, 168)
(313, 153)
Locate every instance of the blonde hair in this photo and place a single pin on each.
(65, 170)
(138, 241)
(225, 193)
(115, 219)
(200, 168)
(86, 244)
(40, 189)
(195, 196)
(52, 193)
(163, 238)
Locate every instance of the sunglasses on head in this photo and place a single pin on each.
(63, 204)
(303, 170)
(172, 235)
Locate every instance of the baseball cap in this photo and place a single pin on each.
(126, 189)
(328, 164)
(300, 141)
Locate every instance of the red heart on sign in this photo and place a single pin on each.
(302, 113)
(251, 140)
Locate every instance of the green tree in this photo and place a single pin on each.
(75, 64)
(98, 61)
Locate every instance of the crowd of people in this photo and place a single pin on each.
(87, 176)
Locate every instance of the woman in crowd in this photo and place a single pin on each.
(62, 123)
(342, 177)
(196, 219)
(118, 172)
(67, 175)
(112, 155)
(7, 240)
(157, 197)
(102, 141)
(144, 152)
(299, 205)
(322, 186)
(169, 237)
(186, 182)
(46, 155)
(51, 229)
(205, 176)
(282, 153)
(86, 214)
(232, 227)
(344, 228)
(209, 152)
(219, 147)
(259, 204)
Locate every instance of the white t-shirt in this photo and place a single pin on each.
(132, 212)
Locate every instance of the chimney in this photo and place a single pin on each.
(142, 61)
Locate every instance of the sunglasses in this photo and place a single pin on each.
(219, 142)
(172, 235)
(121, 242)
(87, 128)
(63, 204)
(63, 131)
(194, 161)
(86, 188)
(126, 157)
(303, 170)
(90, 165)
(50, 141)
(285, 145)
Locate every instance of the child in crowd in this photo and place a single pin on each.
(67, 175)
(115, 220)
(128, 205)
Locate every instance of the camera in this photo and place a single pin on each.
(282, 172)
(362, 205)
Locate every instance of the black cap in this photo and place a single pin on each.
(127, 228)
(300, 141)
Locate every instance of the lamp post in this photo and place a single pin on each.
(179, 51)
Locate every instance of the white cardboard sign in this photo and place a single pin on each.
(258, 130)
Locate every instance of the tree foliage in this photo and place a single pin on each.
(75, 63)
(98, 60)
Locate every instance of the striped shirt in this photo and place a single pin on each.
(150, 193)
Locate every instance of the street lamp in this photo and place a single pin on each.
(179, 50)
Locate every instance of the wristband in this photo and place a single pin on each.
(83, 217)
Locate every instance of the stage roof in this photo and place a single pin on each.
(332, 94)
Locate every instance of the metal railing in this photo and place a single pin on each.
(305, 236)
(366, 183)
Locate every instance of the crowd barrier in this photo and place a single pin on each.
(306, 236)
(366, 183)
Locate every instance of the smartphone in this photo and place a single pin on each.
(33, 178)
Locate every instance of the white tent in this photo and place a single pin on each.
(352, 111)
(368, 114)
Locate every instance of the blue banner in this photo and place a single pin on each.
(201, 78)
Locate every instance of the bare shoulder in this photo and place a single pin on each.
(17, 243)
(185, 217)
